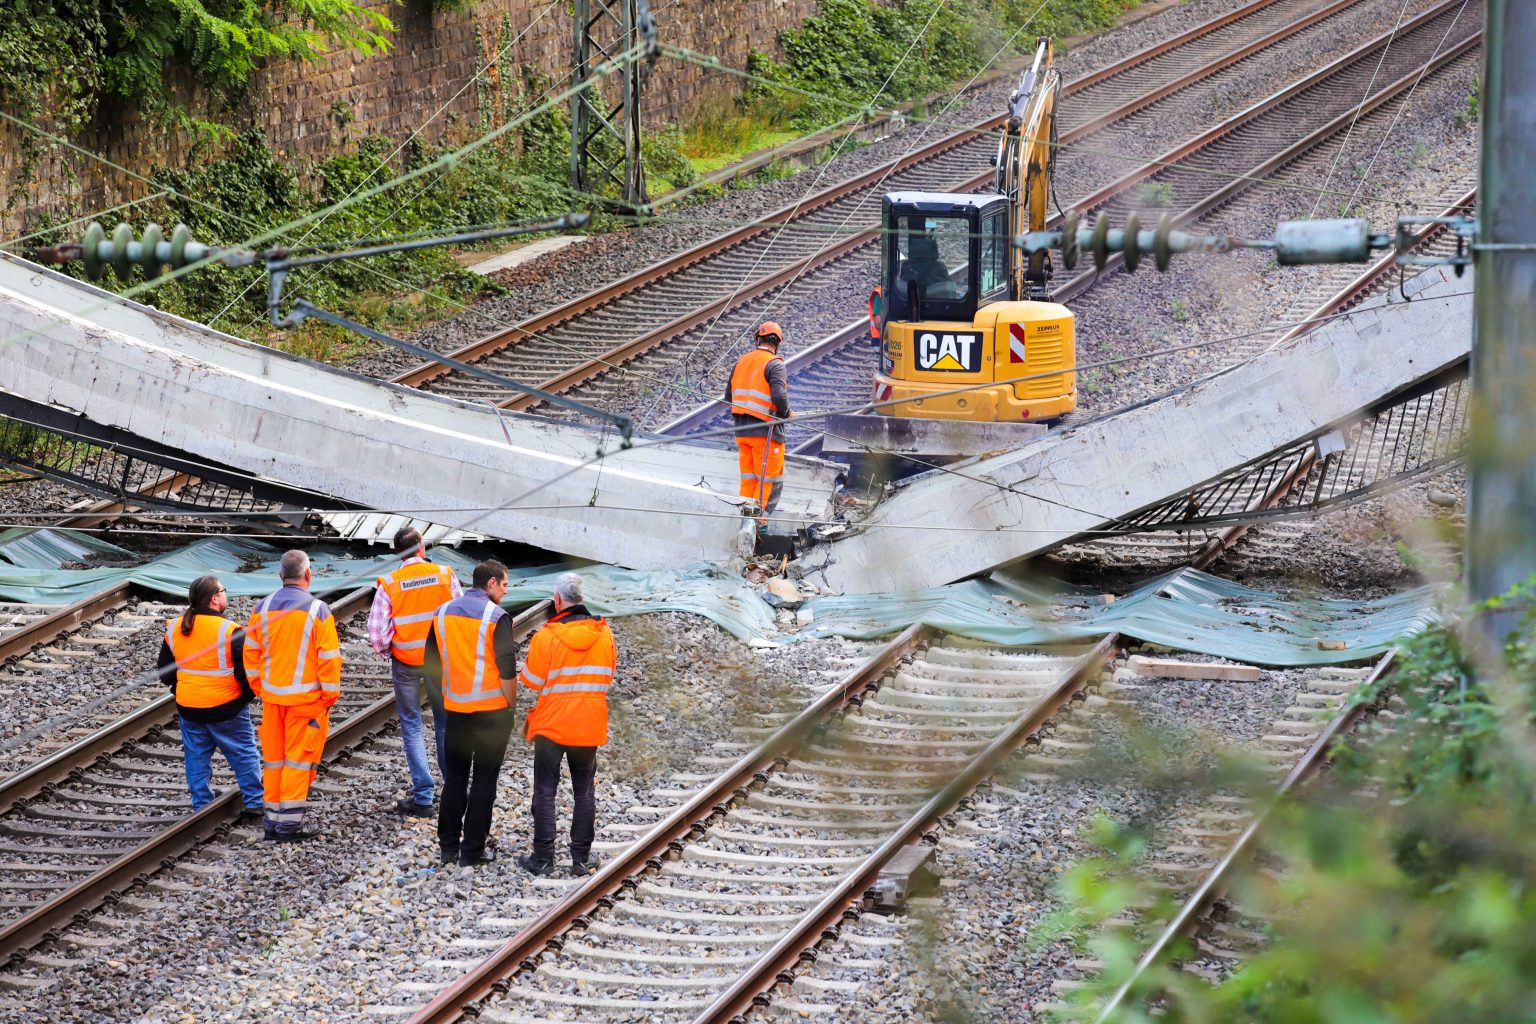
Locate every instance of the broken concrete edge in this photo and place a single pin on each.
(943, 527)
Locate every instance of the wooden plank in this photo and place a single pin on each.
(1169, 669)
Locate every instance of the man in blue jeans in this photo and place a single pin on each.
(404, 604)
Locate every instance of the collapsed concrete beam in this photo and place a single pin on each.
(945, 527)
(80, 349)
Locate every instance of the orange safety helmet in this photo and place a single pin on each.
(770, 329)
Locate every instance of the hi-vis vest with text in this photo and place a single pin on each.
(205, 675)
(751, 394)
(471, 680)
(570, 665)
(416, 592)
(292, 652)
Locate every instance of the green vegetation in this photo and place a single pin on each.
(1416, 903)
(249, 190)
(1468, 114)
(853, 50)
(1154, 193)
(851, 54)
(61, 61)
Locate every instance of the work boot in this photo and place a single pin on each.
(535, 866)
(586, 867)
(308, 830)
(412, 809)
(467, 860)
(447, 856)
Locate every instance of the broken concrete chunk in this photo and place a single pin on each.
(782, 593)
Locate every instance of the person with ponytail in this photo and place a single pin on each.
(201, 658)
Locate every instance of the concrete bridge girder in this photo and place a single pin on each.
(78, 348)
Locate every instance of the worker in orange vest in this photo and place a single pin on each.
(758, 394)
(293, 654)
(202, 659)
(570, 665)
(404, 603)
(472, 656)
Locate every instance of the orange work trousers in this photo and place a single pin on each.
(762, 467)
(292, 740)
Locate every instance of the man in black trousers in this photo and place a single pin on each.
(472, 656)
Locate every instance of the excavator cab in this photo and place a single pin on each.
(947, 322)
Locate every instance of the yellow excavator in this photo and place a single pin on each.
(960, 307)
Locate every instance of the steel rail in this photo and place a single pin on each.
(614, 358)
(1214, 885)
(785, 953)
(65, 619)
(620, 872)
(788, 214)
(191, 831)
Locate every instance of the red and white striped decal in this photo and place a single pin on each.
(1016, 343)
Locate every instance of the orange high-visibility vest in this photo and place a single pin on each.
(416, 592)
(465, 628)
(570, 665)
(751, 394)
(205, 673)
(292, 651)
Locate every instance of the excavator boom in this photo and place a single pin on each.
(1025, 159)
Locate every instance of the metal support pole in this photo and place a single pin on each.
(1501, 507)
(605, 135)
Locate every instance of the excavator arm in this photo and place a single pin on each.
(1025, 159)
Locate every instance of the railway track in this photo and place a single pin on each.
(109, 809)
(581, 340)
(724, 902)
(1231, 836)
(55, 653)
(1282, 140)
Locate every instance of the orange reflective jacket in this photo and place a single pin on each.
(464, 628)
(751, 394)
(415, 592)
(205, 671)
(292, 652)
(570, 665)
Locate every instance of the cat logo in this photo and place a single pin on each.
(950, 353)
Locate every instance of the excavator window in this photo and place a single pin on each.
(994, 255)
(933, 255)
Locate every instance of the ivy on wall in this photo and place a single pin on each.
(61, 59)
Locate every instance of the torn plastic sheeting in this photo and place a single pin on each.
(45, 549)
(1187, 610)
(700, 589)
(247, 569)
